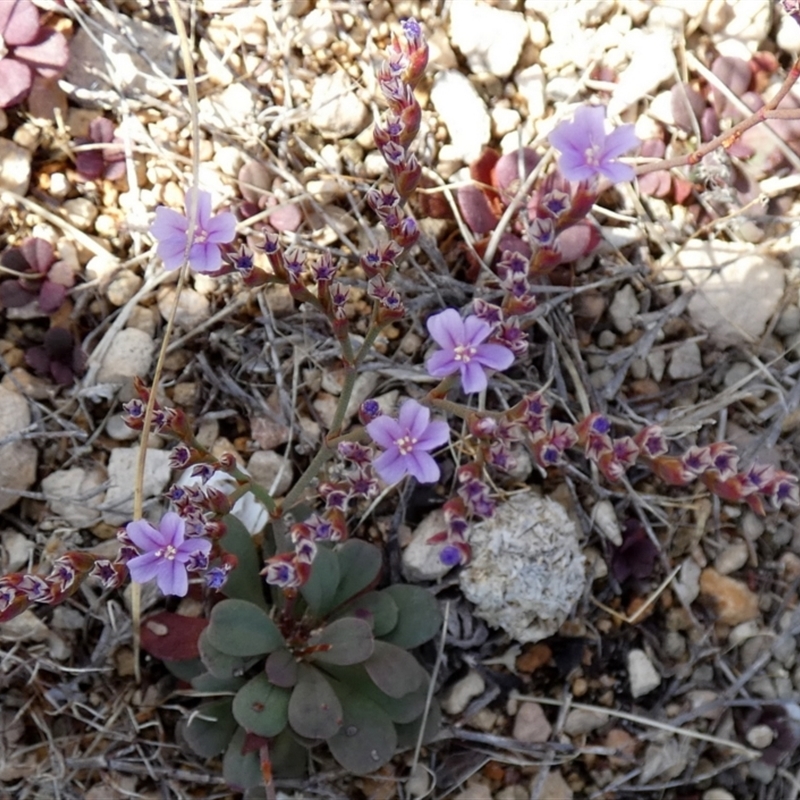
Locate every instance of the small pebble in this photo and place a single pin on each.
(531, 724)
(642, 674)
(732, 558)
(685, 362)
(460, 693)
(733, 601)
(582, 721)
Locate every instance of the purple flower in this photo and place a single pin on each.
(406, 442)
(166, 553)
(463, 349)
(587, 151)
(171, 230)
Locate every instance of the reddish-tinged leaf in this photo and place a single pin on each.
(101, 130)
(735, 73)
(476, 210)
(511, 170)
(577, 241)
(255, 182)
(19, 21)
(47, 54)
(62, 273)
(636, 556)
(62, 374)
(687, 106)
(38, 253)
(172, 637)
(51, 296)
(89, 163)
(287, 217)
(37, 359)
(481, 169)
(15, 81)
(14, 295)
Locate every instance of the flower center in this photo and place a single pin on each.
(592, 155)
(168, 553)
(3, 48)
(405, 444)
(464, 352)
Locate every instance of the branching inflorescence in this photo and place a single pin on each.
(319, 611)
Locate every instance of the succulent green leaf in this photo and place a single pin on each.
(210, 728)
(289, 757)
(350, 641)
(210, 684)
(240, 628)
(419, 618)
(219, 664)
(261, 708)
(394, 670)
(244, 581)
(241, 770)
(186, 670)
(314, 709)
(400, 709)
(407, 734)
(281, 668)
(377, 608)
(359, 566)
(367, 738)
(320, 588)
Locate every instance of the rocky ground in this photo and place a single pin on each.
(675, 674)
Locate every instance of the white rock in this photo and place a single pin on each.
(531, 85)
(15, 167)
(122, 478)
(71, 495)
(687, 586)
(737, 291)
(760, 736)
(657, 361)
(440, 54)
(732, 558)
(17, 550)
(118, 430)
(652, 62)
(581, 721)
(25, 627)
(317, 30)
(457, 697)
(738, 28)
(110, 49)
(130, 354)
(642, 674)
(80, 212)
(667, 760)
(527, 573)
(336, 109)
(122, 287)
(624, 308)
(271, 470)
(504, 120)
(605, 518)
(489, 38)
(717, 794)
(228, 108)
(421, 560)
(18, 459)
(193, 309)
(788, 36)
(463, 112)
(685, 362)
